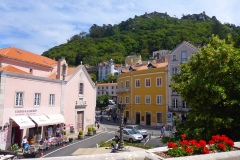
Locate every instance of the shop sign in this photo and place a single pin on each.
(25, 112)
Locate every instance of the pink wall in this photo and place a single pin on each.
(71, 96)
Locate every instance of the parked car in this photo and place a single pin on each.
(129, 135)
(138, 129)
(111, 102)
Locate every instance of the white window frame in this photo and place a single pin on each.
(175, 103)
(185, 59)
(184, 104)
(51, 99)
(174, 92)
(19, 99)
(127, 84)
(174, 57)
(137, 86)
(159, 99)
(158, 85)
(127, 99)
(37, 99)
(146, 84)
(80, 88)
(161, 118)
(174, 70)
(137, 99)
(147, 99)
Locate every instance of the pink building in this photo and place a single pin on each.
(38, 93)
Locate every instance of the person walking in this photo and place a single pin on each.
(125, 121)
(98, 125)
(24, 142)
(163, 132)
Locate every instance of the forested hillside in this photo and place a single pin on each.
(140, 35)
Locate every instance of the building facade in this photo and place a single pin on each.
(106, 68)
(132, 60)
(107, 88)
(143, 89)
(38, 93)
(179, 55)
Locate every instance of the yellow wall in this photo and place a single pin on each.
(142, 91)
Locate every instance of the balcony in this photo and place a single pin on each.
(178, 109)
(122, 90)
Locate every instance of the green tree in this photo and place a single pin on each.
(94, 77)
(112, 78)
(210, 85)
(102, 101)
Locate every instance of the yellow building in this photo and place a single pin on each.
(143, 88)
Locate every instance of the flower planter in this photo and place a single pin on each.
(70, 140)
(90, 133)
(80, 137)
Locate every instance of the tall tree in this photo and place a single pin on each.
(210, 85)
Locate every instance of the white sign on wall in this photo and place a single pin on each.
(169, 118)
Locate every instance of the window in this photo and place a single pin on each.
(102, 87)
(102, 92)
(121, 100)
(159, 117)
(175, 103)
(147, 82)
(174, 57)
(19, 99)
(112, 92)
(98, 92)
(127, 84)
(122, 85)
(184, 104)
(174, 92)
(107, 87)
(37, 98)
(51, 99)
(159, 81)
(184, 56)
(137, 99)
(174, 70)
(159, 99)
(106, 92)
(126, 99)
(127, 114)
(112, 87)
(116, 87)
(81, 88)
(98, 87)
(137, 82)
(147, 99)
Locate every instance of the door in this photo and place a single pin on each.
(148, 119)
(17, 135)
(137, 118)
(80, 117)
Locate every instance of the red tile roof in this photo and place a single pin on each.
(10, 68)
(25, 56)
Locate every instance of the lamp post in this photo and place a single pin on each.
(121, 107)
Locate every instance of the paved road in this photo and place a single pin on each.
(90, 142)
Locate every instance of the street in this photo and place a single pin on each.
(106, 134)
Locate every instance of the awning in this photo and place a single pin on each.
(41, 120)
(56, 118)
(23, 122)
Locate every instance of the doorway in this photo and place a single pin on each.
(16, 135)
(80, 117)
(137, 118)
(148, 119)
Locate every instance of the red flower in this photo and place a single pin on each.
(222, 146)
(198, 145)
(188, 150)
(216, 138)
(183, 136)
(211, 142)
(205, 150)
(171, 145)
(202, 143)
(193, 142)
(230, 142)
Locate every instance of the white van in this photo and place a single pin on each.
(111, 102)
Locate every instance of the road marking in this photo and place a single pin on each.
(112, 132)
(75, 143)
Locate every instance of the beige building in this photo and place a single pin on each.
(134, 59)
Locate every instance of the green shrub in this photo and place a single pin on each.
(90, 129)
(15, 148)
(93, 129)
(80, 132)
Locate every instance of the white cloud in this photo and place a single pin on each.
(37, 26)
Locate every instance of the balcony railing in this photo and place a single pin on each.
(178, 109)
(121, 90)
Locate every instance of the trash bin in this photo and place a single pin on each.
(71, 129)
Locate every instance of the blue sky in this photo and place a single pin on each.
(37, 26)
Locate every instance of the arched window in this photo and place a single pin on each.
(81, 87)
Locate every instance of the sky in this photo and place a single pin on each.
(38, 25)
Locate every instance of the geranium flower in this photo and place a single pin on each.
(230, 142)
(202, 143)
(188, 150)
(211, 142)
(222, 146)
(205, 150)
(192, 142)
(183, 136)
(216, 138)
(171, 145)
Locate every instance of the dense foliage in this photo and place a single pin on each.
(210, 85)
(102, 101)
(139, 35)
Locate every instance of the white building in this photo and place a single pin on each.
(107, 88)
(106, 68)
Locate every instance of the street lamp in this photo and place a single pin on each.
(121, 107)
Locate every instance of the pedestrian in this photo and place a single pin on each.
(24, 141)
(163, 131)
(125, 121)
(98, 125)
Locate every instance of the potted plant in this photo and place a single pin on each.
(70, 139)
(15, 148)
(80, 135)
(94, 130)
(90, 131)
